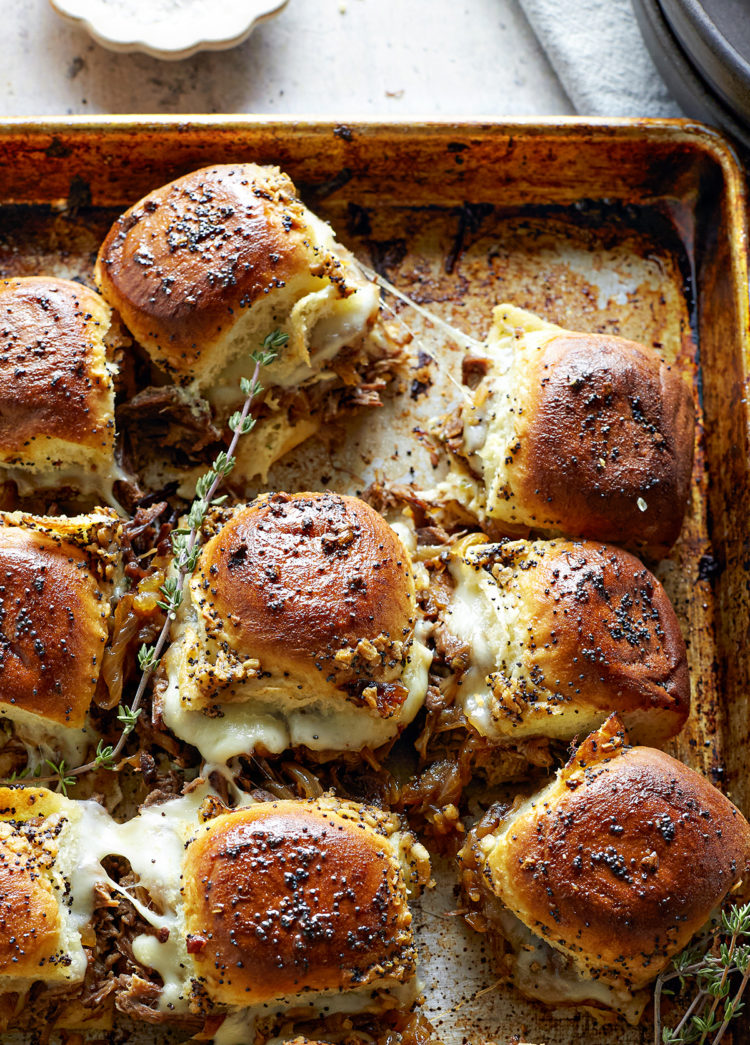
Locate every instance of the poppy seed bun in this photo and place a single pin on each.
(583, 435)
(52, 627)
(295, 579)
(301, 615)
(283, 899)
(39, 939)
(56, 579)
(57, 423)
(561, 634)
(202, 269)
(619, 861)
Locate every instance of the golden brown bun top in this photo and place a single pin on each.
(601, 631)
(309, 583)
(285, 897)
(607, 425)
(185, 260)
(344, 1037)
(53, 381)
(622, 859)
(300, 1040)
(30, 940)
(52, 626)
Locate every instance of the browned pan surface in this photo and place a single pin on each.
(633, 227)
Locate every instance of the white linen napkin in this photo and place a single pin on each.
(598, 53)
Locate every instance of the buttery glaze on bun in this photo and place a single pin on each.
(561, 634)
(300, 627)
(202, 269)
(614, 866)
(582, 435)
(57, 422)
(55, 581)
(274, 907)
(40, 935)
(286, 898)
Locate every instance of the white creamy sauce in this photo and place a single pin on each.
(145, 13)
(157, 9)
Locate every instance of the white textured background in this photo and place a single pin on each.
(325, 57)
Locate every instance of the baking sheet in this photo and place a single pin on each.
(627, 227)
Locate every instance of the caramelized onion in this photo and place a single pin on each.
(136, 616)
(305, 780)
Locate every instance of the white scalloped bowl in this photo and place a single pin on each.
(168, 29)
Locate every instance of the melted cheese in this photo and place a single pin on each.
(322, 323)
(487, 617)
(276, 722)
(488, 611)
(276, 714)
(541, 972)
(45, 739)
(159, 868)
(489, 429)
(158, 864)
(478, 479)
(239, 1026)
(88, 478)
(317, 318)
(154, 843)
(167, 827)
(539, 969)
(73, 874)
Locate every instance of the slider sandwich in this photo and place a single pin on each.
(591, 886)
(203, 269)
(582, 435)
(287, 908)
(57, 420)
(556, 635)
(299, 627)
(232, 919)
(57, 577)
(48, 873)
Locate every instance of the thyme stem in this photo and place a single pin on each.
(185, 545)
(721, 954)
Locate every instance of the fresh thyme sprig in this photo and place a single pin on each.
(60, 773)
(186, 548)
(720, 968)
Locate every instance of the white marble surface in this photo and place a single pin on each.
(319, 57)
